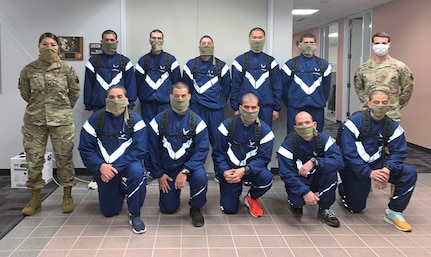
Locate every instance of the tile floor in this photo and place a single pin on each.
(85, 232)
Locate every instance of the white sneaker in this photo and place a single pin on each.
(92, 185)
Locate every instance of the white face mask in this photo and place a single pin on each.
(380, 49)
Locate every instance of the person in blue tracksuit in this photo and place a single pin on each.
(105, 70)
(155, 73)
(178, 147)
(306, 87)
(308, 162)
(242, 152)
(210, 84)
(112, 145)
(371, 158)
(258, 73)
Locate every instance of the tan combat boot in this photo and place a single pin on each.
(34, 203)
(68, 205)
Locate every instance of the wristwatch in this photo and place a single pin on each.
(246, 170)
(185, 171)
(314, 162)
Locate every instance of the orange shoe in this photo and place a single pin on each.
(253, 206)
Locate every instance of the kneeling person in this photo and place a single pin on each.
(242, 152)
(112, 145)
(308, 162)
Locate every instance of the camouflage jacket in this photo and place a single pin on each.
(391, 74)
(50, 93)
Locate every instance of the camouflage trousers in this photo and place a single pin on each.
(35, 140)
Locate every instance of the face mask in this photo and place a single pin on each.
(307, 48)
(116, 105)
(305, 132)
(248, 117)
(256, 45)
(180, 105)
(109, 48)
(379, 110)
(206, 50)
(381, 49)
(156, 46)
(48, 55)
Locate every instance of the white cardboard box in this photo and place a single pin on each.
(18, 170)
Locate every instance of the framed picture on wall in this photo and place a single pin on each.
(71, 48)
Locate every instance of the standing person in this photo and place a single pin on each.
(51, 88)
(178, 148)
(384, 70)
(258, 73)
(105, 70)
(308, 162)
(242, 152)
(306, 83)
(112, 145)
(155, 73)
(376, 157)
(209, 80)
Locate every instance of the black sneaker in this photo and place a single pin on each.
(247, 183)
(295, 210)
(197, 218)
(328, 217)
(137, 224)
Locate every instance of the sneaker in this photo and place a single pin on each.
(328, 217)
(397, 219)
(137, 224)
(197, 218)
(216, 178)
(253, 206)
(92, 185)
(295, 210)
(247, 183)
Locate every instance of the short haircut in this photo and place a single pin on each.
(206, 36)
(254, 29)
(117, 86)
(377, 91)
(308, 35)
(180, 85)
(49, 35)
(250, 96)
(381, 34)
(157, 30)
(109, 31)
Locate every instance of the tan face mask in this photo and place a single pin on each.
(109, 48)
(206, 50)
(156, 46)
(307, 48)
(379, 110)
(116, 105)
(48, 55)
(305, 132)
(180, 105)
(256, 45)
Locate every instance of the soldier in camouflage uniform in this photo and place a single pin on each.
(51, 88)
(385, 71)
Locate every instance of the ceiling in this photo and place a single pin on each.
(329, 11)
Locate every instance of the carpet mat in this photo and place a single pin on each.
(12, 200)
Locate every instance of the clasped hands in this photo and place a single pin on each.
(381, 177)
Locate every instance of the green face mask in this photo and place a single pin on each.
(248, 117)
(256, 45)
(116, 105)
(305, 132)
(180, 105)
(48, 55)
(379, 110)
(109, 48)
(206, 50)
(307, 48)
(156, 46)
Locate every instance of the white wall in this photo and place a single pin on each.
(183, 23)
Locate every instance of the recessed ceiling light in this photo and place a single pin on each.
(304, 11)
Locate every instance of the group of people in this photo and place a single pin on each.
(182, 115)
